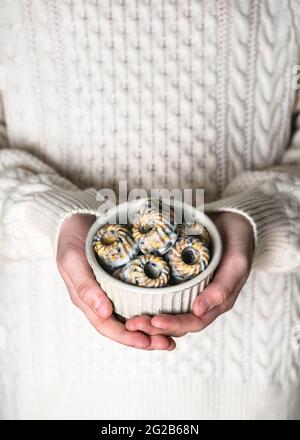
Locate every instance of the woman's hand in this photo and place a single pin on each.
(221, 294)
(86, 293)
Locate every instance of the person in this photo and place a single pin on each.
(167, 94)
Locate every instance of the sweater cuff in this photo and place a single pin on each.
(271, 227)
(51, 208)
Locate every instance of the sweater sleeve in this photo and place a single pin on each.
(34, 201)
(270, 199)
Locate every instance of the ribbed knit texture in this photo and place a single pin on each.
(175, 94)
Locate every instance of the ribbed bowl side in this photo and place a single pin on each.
(128, 304)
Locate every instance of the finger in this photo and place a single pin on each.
(230, 277)
(77, 273)
(214, 313)
(114, 329)
(164, 324)
(142, 323)
(177, 325)
(172, 345)
(159, 342)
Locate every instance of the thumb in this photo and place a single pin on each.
(78, 276)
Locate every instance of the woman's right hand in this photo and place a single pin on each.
(86, 293)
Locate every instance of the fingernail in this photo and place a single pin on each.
(172, 346)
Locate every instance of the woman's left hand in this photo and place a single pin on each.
(221, 294)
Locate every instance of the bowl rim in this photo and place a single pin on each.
(213, 264)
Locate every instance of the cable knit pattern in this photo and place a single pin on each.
(3, 132)
(162, 93)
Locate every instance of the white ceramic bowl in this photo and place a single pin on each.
(130, 300)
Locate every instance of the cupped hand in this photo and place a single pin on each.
(220, 295)
(86, 293)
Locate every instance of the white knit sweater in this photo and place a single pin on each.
(162, 93)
